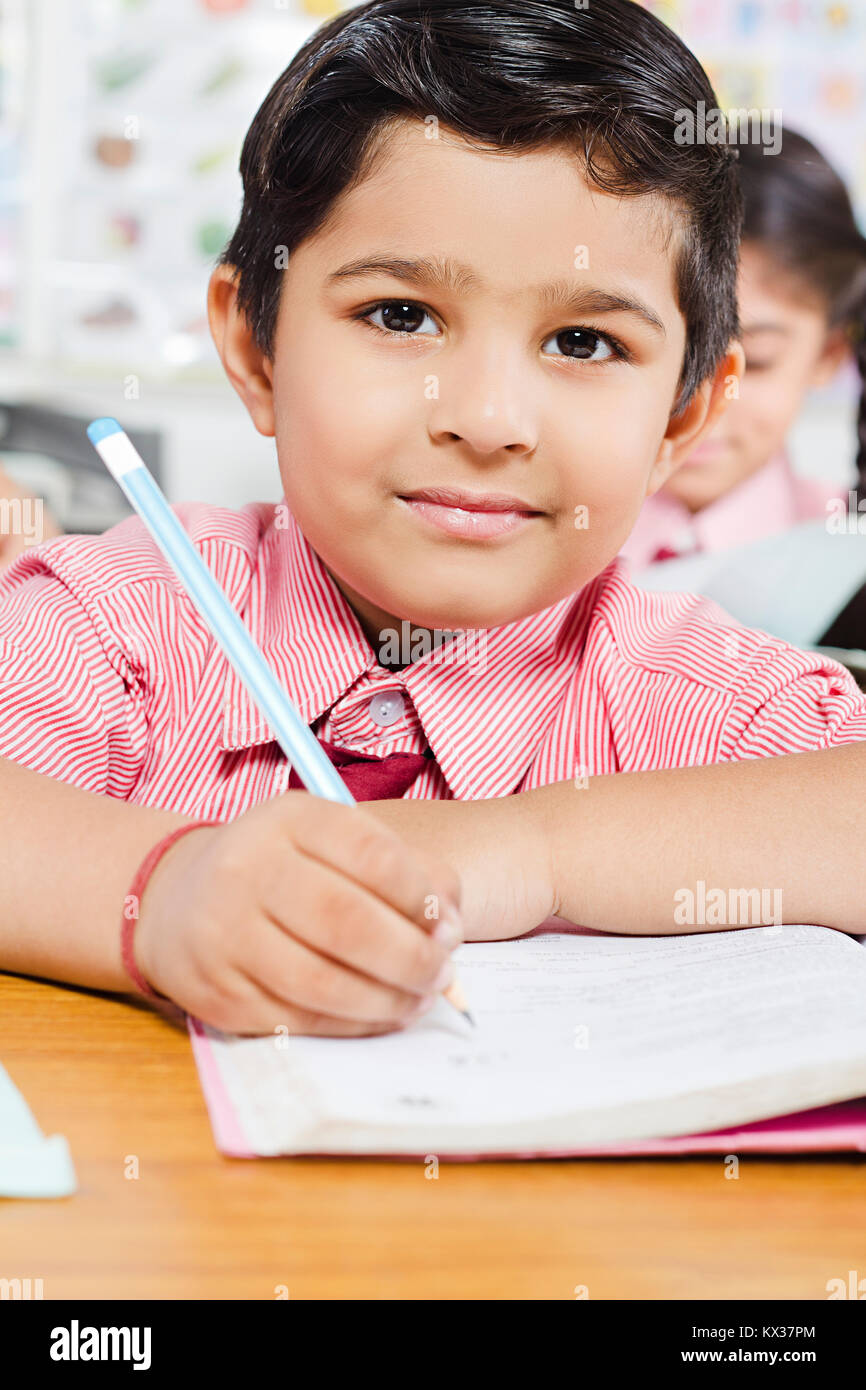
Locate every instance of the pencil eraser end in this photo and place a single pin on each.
(100, 429)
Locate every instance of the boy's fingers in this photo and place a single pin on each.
(307, 980)
(362, 848)
(257, 1006)
(334, 917)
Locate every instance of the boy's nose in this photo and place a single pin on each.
(487, 421)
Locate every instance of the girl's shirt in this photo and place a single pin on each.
(771, 500)
(110, 680)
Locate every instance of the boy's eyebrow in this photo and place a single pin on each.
(452, 277)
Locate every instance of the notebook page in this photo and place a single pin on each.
(566, 1024)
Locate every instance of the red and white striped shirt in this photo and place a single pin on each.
(110, 680)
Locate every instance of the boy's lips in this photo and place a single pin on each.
(470, 515)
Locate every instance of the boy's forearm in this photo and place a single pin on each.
(623, 845)
(67, 858)
(620, 849)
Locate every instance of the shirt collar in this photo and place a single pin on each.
(485, 703)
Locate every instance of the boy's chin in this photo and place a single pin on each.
(461, 615)
(481, 600)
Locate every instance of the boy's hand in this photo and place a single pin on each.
(499, 849)
(302, 912)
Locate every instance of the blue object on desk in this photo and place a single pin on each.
(31, 1165)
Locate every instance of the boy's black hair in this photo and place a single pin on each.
(799, 213)
(608, 82)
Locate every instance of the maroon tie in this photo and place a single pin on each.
(370, 778)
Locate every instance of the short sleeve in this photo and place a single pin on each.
(793, 702)
(71, 705)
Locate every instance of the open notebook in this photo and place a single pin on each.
(586, 1043)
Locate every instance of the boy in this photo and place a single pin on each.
(512, 168)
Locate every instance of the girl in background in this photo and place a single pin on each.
(802, 304)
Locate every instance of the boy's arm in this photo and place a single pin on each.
(610, 855)
(68, 858)
(613, 853)
(621, 847)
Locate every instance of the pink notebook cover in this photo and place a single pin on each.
(828, 1129)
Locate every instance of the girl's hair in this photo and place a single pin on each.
(799, 213)
(610, 83)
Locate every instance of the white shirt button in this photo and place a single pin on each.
(386, 708)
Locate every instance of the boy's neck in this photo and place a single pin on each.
(396, 642)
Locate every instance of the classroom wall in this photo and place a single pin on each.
(121, 123)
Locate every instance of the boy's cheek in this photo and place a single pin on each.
(592, 531)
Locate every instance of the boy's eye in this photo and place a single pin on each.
(403, 316)
(397, 314)
(581, 344)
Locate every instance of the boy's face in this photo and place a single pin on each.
(788, 351)
(480, 388)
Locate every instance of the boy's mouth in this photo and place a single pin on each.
(469, 515)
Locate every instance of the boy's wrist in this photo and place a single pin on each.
(182, 842)
(540, 812)
(518, 857)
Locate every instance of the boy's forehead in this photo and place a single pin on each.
(516, 218)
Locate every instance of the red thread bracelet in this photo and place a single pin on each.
(136, 888)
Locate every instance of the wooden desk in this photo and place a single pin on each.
(119, 1080)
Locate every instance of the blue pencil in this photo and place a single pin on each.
(299, 743)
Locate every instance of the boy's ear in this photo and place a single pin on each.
(247, 368)
(685, 430)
